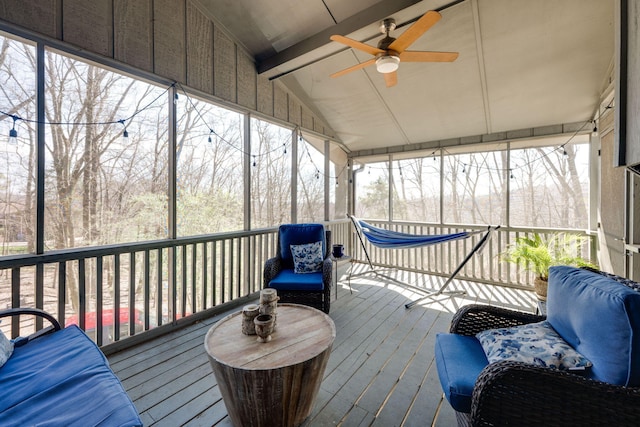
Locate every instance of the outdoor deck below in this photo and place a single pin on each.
(381, 371)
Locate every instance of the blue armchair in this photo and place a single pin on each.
(595, 313)
(311, 285)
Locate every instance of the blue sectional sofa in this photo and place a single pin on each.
(595, 313)
(61, 378)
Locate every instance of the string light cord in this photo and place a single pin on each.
(108, 122)
(124, 121)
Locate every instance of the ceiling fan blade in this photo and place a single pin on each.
(371, 50)
(417, 29)
(355, 67)
(391, 79)
(420, 56)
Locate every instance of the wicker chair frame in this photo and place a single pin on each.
(515, 393)
(316, 299)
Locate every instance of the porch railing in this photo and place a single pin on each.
(128, 290)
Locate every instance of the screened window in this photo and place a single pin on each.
(270, 174)
(549, 185)
(416, 189)
(310, 183)
(17, 154)
(372, 191)
(474, 187)
(102, 188)
(209, 181)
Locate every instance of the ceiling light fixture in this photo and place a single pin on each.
(387, 64)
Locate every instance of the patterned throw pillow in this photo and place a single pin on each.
(307, 258)
(6, 349)
(535, 343)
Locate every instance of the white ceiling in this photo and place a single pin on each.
(522, 63)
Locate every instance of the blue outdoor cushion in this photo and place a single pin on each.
(290, 281)
(63, 379)
(459, 360)
(296, 234)
(534, 343)
(600, 318)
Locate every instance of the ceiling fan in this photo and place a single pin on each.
(391, 51)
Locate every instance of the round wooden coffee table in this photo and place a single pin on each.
(273, 383)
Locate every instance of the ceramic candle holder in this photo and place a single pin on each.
(264, 327)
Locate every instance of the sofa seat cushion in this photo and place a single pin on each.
(459, 360)
(288, 280)
(600, 318)
(63, 379)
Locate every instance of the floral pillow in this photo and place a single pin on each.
(535, 343)
(6, 349)
(307, 258)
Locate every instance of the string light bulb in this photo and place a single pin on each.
(13, 133)
(209, 139)
(125, 133)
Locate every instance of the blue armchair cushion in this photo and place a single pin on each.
(63, 379)
(534, 343)
(307, 258)
(459, 360)
(6, 349)
(297, 234)
(600, 318)
(288, 280)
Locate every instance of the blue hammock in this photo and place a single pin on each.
(388, 239)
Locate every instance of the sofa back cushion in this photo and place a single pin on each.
(297, 234)
(600, 318)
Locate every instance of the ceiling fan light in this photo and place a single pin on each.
(387, 64)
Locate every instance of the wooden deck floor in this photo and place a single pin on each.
(381, 371)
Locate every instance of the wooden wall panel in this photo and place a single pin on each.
(295, 115)
(133, 33)
(265, 95)
(83, 18)
(169, 39)
(280, 103)
(247, 90)
(612, 193)
(307, 118)
(224, 66)
(199, 50)
(37, 15)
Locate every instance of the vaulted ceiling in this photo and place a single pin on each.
(522, 63)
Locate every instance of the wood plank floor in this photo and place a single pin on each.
(381, 371)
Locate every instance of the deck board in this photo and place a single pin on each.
(381, 371)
